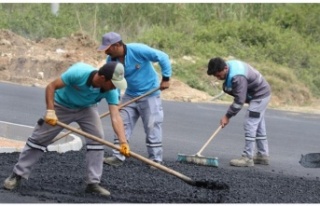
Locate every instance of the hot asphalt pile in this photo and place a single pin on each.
(60, 178)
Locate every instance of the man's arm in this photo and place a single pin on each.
(166, 69)
(50, 89)
(50, 116)
(117, 123)
(118, 128)
(239, 90)
(155, 55)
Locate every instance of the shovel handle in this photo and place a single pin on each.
(209, 140)
(132, 154)
(107, 113)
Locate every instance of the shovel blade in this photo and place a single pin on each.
(310, 160)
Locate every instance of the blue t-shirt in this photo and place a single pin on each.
(139, 71)
(77, 93)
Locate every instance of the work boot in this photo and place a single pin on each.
(12, 181)
(113, 161)
(96, 188)
(153, 167)
(261, 159)
(242, 162)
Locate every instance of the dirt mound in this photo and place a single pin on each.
(28, 62)
(36, 63)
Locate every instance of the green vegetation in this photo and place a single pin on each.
(281, 40)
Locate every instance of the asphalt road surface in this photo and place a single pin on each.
(187, 127)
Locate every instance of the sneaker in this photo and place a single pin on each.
(12, 181)
(261, 159)
(153, 167)
(96, 188)
(242, 162)
(113, 161)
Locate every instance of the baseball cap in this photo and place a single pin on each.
(108, 39)
(114, 71)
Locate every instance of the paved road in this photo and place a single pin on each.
(188, 126)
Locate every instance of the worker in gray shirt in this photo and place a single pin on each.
(246, 85)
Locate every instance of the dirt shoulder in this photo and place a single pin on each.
(37, 63)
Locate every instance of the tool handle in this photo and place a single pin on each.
(107, 113)
(132, 154)
(131, 101)
(209, 140)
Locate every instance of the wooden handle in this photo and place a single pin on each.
(209, 140)
(131, 101)
(107, 113)
(132, 154)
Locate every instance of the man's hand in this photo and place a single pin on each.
(51, 117)
(224, 121)
(164, 85)
(125, 149)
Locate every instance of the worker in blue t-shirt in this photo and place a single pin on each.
(141, 77)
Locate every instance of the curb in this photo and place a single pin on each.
(20, 133)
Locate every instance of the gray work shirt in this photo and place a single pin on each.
(246, 85)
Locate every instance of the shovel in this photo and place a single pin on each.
(204, 184)
(107, 113)
(310, 160)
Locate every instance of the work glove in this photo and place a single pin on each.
(51, 117)
(125, 149)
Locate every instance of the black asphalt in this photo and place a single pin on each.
(59, 178)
